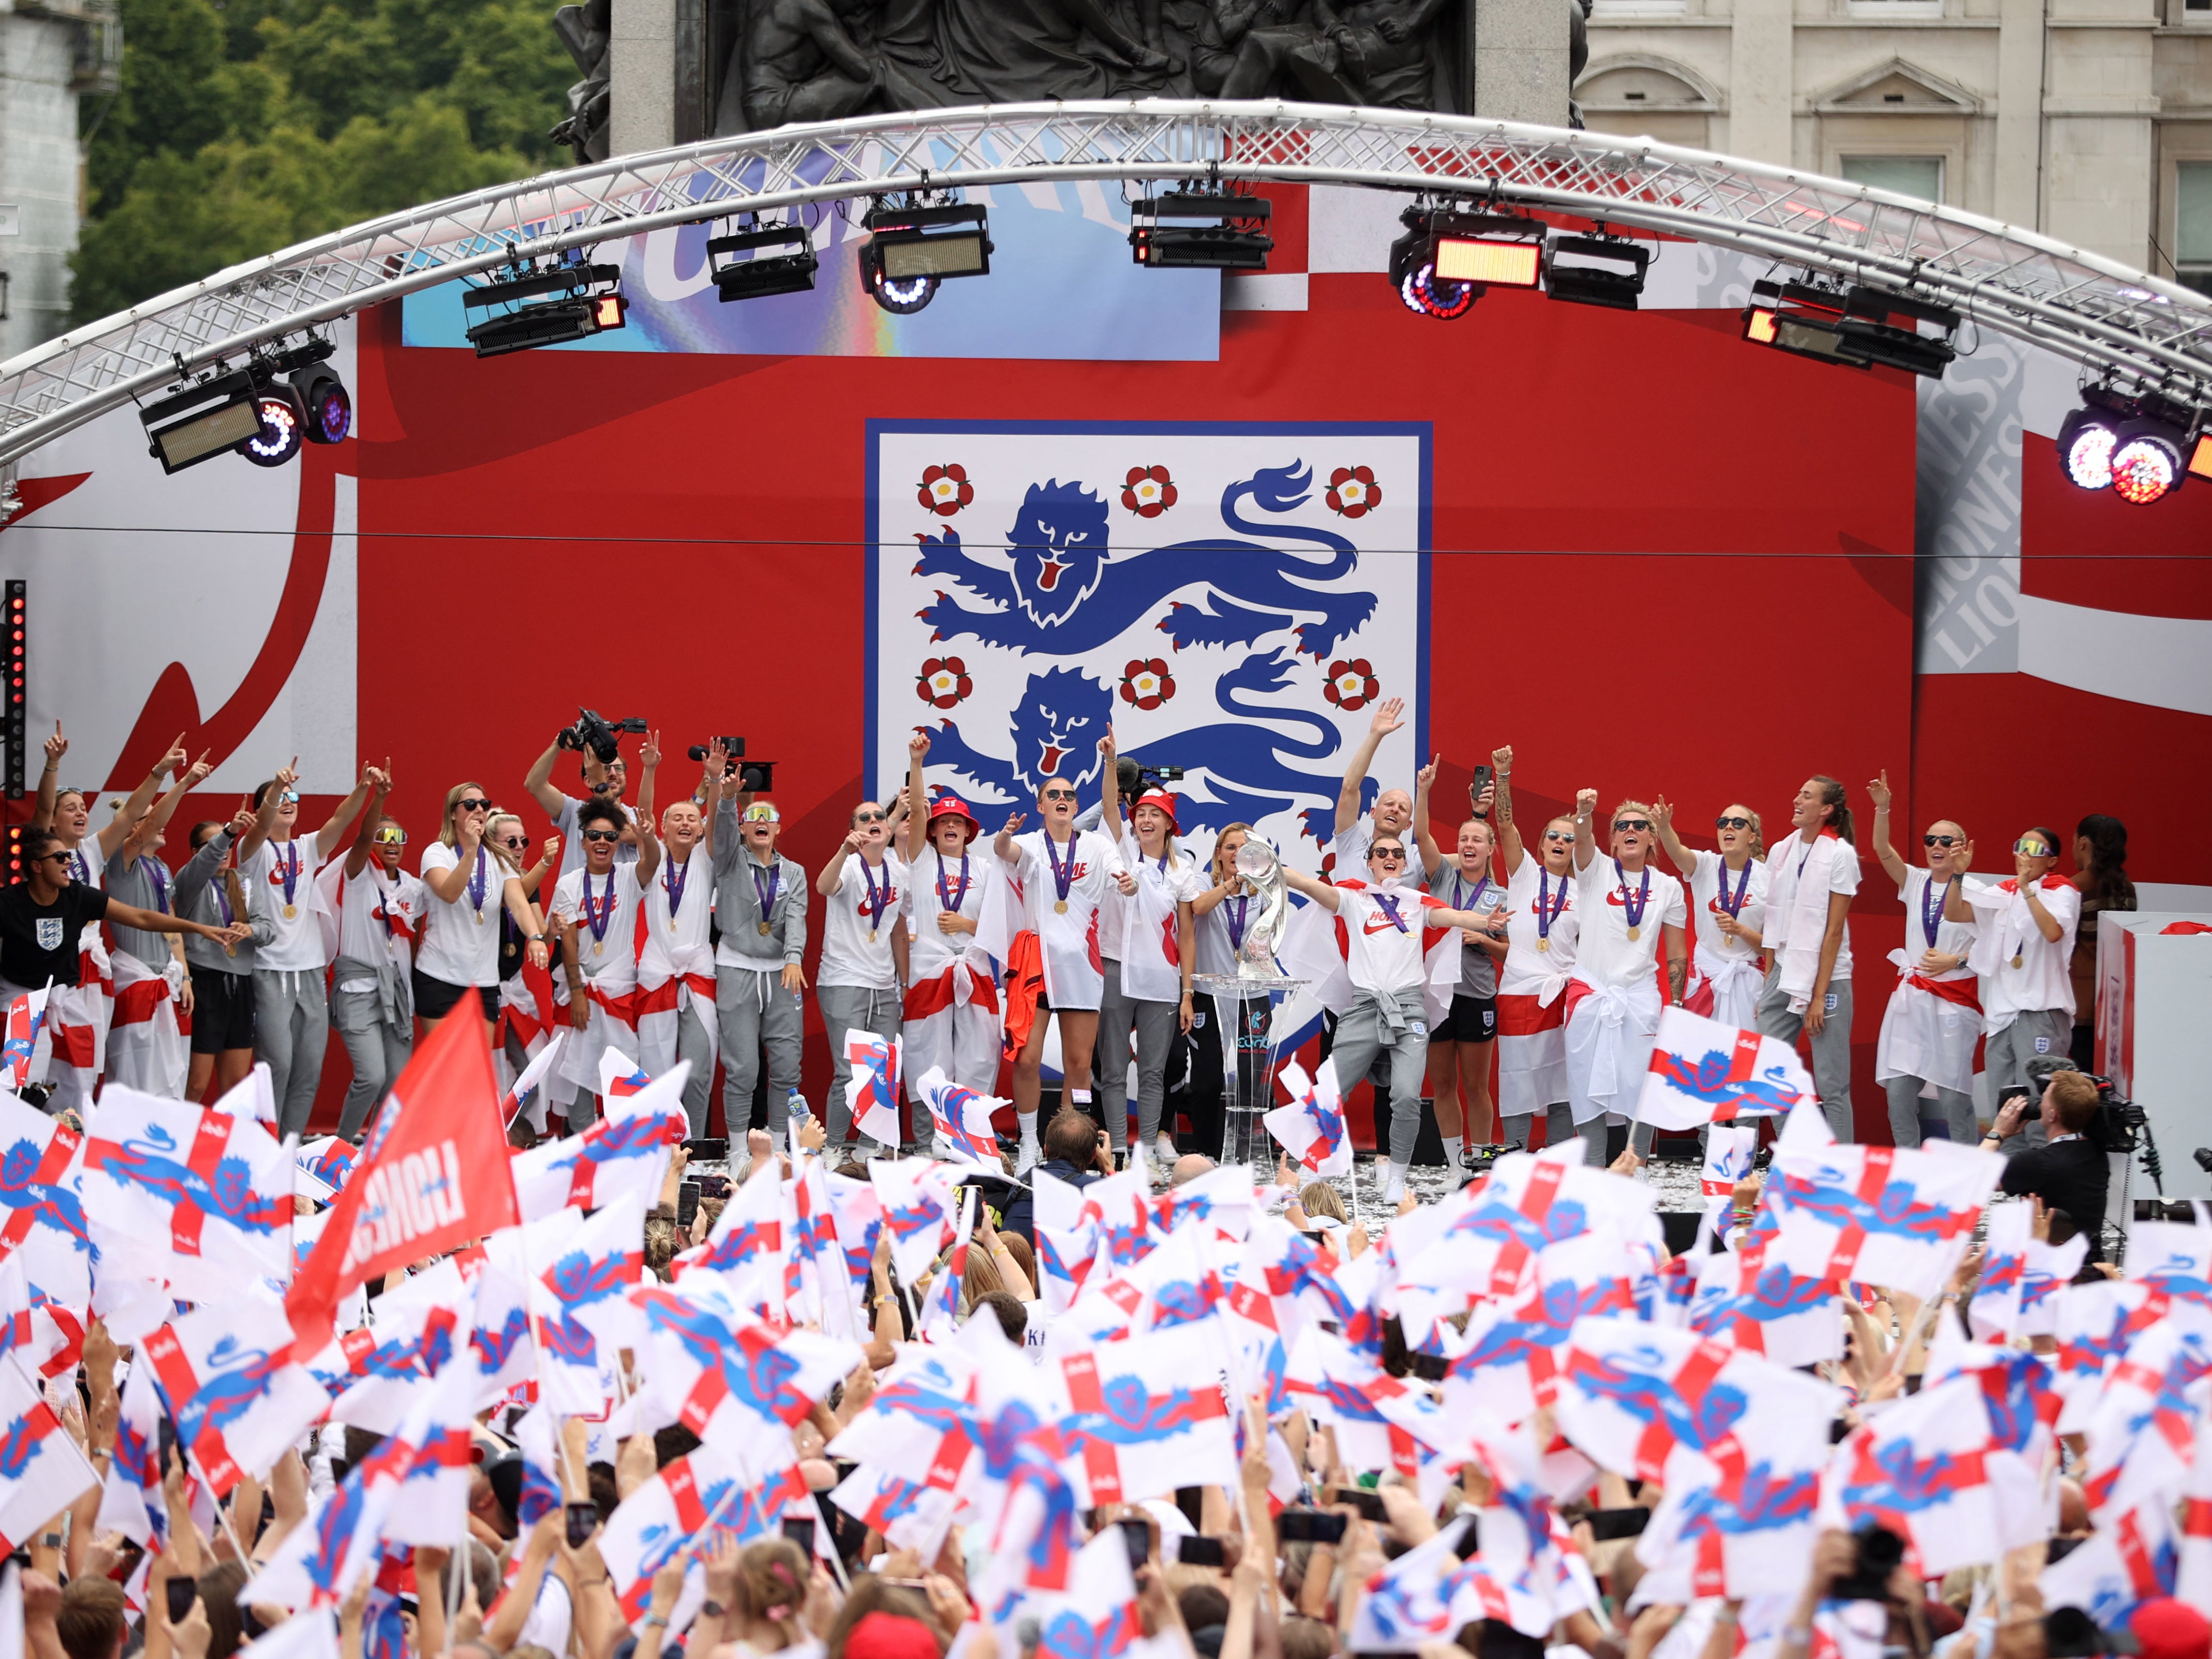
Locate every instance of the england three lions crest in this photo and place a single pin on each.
(1234, 602)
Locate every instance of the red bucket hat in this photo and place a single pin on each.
(951, 806)
(1165, 802)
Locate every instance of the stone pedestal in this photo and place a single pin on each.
(1521, 60)
(642, 76)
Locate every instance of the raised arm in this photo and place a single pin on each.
(548, 853)
(648, 837)
(1431, 855)
(1109, 808)
(917, 794)
(539, 780)
(833, 867)
(331, 836)
(141, 797)
(1319, 891)
(203, 866)
(1884, 848)
(1508, 833)
(1388, 719)
(1585, 841)
(450, 884)
(1003, 842)
(49, 776)
(265, 818)
(1662, 821)
(141, 834)
(160, 921)
(365, 838)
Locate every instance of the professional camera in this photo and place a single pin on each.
(755, 777)
(1134, 778)
(2121, 1125)
(594, 732)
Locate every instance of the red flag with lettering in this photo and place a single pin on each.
(432, 1176)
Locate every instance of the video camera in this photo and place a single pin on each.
(753, 777)
(594, 732)
(1134, 778)
(2121, 1125)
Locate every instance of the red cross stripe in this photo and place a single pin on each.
(51, 1166)
(1248, 1302)
(684, 1496)
(2197, 1518)
(1874, 1175)
(949, 1459)
(2134, 1554)
(1514, 1257)
(1494, 1604)
(72, 1348)
(1101, 1464)
(2172, 1427)
(174, 1373)
(1710, 1576)
(1691, 1384)
(39, 1422)
(1741, 1064)
(210, 1142)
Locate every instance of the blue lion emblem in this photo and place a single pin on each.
(1898, 1212)
(1706, 1080)
(757, 1373)
(1071, 1636)
(19, 1446)
(1894, 1482)
(229, 1194)
(1764, 1501)
(1701, 1424)
(494, 1346)
(21, 1190)
(241, 1376)
(577, 1278)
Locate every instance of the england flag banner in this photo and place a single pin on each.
(622, 1158)
(26, 1017)
(41, 1216)
(962, 1118)
(1310, 1129)
(1879, 1215)
(41, 1470)
(1703, 1071)
(234, 1389)
(872, 1089)
(1030, 581)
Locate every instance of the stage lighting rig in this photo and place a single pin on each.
(206, 417)
(265, 410)
(1595, 271)
(1857, 326)
(2141, 448)
(782, 261)
(1222, 231)
(587, 300)
(1413, 275)
(912, 248)
(1445, 260)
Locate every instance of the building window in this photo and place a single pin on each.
(2192, 224)
(1901, 175)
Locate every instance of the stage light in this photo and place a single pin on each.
(765, 273)
(910, 251)
(1799, 319)
(283, 427)
(2085, 440)
(329, 410)
(1595, 271)
(1492, 249)
(2142, 447)
(16, 724)
(218, 414)
(1413, 274)
(2200, 457)
(1881, 327)
(1232, 241)
(589, 304)
(2146, 461)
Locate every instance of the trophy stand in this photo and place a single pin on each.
(1244, 1010)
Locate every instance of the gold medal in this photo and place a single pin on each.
(480, 915)
(1634, 933)
(1059, 907)
(292, 910)
(764, 930)
(599, 947)
(1543, 944)
(871, 936)
(2017, 960)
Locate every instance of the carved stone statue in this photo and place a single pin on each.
(584, 30)
(801, 63)
(1371, 52)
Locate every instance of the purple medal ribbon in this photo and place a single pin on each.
(672, 878)
(1931, 916)
(767, 895)
(1062, 880)
(159, 877)
(1389, 906)
(477, 883)
(222, 893)
(384, 898)
(1547, 912)
(83, 870)
(1237, 923)
(288, 860)
(951, 901)
(878, 897)
(599, 912)
(1480, 888)
(1631, 909)
(1743, 887)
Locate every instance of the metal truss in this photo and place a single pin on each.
(2104, 315)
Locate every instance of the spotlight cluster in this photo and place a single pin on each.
(1446, 261)
(1855, 326)
(578, 299)
(265, 410)
(2141, 448)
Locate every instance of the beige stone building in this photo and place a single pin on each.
(2089, 120)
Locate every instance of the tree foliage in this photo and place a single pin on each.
(243, 126)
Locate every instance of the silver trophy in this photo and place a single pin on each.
(1257, 862)
(1244, 1005)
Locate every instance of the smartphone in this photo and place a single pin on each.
(1369, 1503)
(799, 1529)
(182, 1592)
(713, 1185)
(1309, 1527)
(707, 1149)
(1470, 1541)
(581, 1520)
(1195, 1552)
(687, 1203)
(1608, 1524)
(1480, 782)
(1430, 1367)
(1137, 1537)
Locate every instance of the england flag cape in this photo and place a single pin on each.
(146, 1049)
(673, 977)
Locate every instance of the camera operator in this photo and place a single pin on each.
(2069, 1171)
(604, 778)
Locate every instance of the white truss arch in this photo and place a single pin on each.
(2098, 313)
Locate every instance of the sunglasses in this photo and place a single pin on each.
(54, 857)
(1396, 854)
(509, 841)
(870, 817)
(761, 812)
(1731, 824)
(1631, 824)
(1057, 794)
(288, 797)
(391, 838)
(1944, 841)
(1557, 835)
(472, 804)
(602, 835)
(2034, 849)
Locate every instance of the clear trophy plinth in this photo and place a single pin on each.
(1244, 1002)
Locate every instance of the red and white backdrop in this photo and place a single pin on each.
(1652, 557)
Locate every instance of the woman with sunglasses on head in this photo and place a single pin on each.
(1933, 1020)
(1728, 898)
(1063, 876)
(1381, 925)
(524, 1026)
(469, 884)
(1810, 879)
(2023, 943)
(1542, 927)
(952, 1014)
(595, 906)
(277, 868)
(859, 984)
(1144, 943)
(379, 907)
(1219, 916)
(1461, 1045)
(1613, 1004)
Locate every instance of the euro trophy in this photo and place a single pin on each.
(1244, 1002)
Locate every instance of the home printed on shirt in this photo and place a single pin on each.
(460, 941)
(857, 923)
(280, 882)
(377, 915)
(1064, 886)
(1608, 896)
(1540, 947)
(1746, 901)
(936, 886)
(606, 941)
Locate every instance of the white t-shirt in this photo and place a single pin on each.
(1352, 844)
(283, 873)
(1783, 864)
(1526, 966)
(606, 952)
(1179, 883)
(1953, 938)
(1068, 940)
(2006, 933)
(1141, 931)
(460, 942)
(1749, 884)
(378, 913)
(869, 899)
(1604, 955)
(572, 851)
(1382, 936)
(931, 883)
(690, 888)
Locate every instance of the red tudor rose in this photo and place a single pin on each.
(1352, 684)
(945, 489)
(1353, 492)
(1147, 685)
(943, 682)
(1148, 491)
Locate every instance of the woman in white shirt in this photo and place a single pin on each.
(1459, 1047)
(1542, 927)
(859, 985)
(1381, 926)
(1728, 901)
(1810, 879)
(1933, 1020)
(2023, 942)
(951, 1011)
(1219, 918)
(469, 879)
(1145, 944)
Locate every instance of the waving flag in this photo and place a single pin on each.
(1098, 1617)
(746, 1246)
(1146, 1416)
(27, 1017)
(856, 1217)
(2172, 1257)
(2051, 1268)
(1407, 1604)
(729, 1377)
(910, 1514)
(872, 1089)
(131, 1502)
(498, 1333)
(2095, 1324)
(234, 1387)
(390, 1364)
(1068, 1227)
(916, 1196)
(432, 1176)
(819, 1288)
(1379, 1421)
(581, 1272)
(2128, 1560)
(940, 1310)
(1311, 1127)
(41, 1217)
(318, 1562)
(1180, 1282)
(1704, 1072)
(1994, 1314)
(41, 1470)
(619, 1077)
(623, 1159)
(1922, 1468)
(962, 1119)
(1879, 1215)
(2193, 1581)
(1731, 1151)
(924, 1424)
(531, 1077)
(432, 1504)
(1758, 1307)
(330, 1159)
(2142, 1429)
(216, 1188)
(695, 1503)
(1735, 1532)
(1498, 1226)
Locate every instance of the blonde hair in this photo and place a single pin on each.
(980, 1280)
(1227, 830)
(1319, 1198)
(1619, 807)
(1167, 842)
(1757, 831)
(446, 829)
(491, 833)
